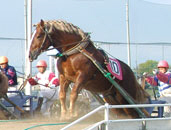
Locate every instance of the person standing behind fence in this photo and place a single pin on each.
(10, 72)
(48, 83)
(162, 79)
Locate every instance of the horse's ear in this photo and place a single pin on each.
(41, 23)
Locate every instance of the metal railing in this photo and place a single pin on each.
(106, 120)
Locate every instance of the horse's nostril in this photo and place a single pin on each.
(30, 57)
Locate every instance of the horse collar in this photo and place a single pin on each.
(76, 48)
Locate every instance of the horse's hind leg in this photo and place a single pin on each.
(62, 96)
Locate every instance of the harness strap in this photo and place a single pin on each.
(108, 76)
(75, 49)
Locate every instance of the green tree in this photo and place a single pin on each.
(148, 66)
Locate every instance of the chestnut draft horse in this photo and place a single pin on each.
(75, 67)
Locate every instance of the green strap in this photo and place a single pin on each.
(46, 125)
(107, 75)
(59, 54)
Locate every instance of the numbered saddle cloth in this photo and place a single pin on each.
(114, 68)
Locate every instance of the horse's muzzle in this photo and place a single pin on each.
(33, 55)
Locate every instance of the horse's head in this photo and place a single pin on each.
(59, 34)
(40, 41)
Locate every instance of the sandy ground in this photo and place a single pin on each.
(38, 123)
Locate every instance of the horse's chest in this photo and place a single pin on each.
(68, 71)
(71, 66)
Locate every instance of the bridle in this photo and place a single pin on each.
(82, 43)
(40, 49)
(47, 35)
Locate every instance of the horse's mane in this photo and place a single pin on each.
(67, 27)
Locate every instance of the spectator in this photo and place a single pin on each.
(10, 72)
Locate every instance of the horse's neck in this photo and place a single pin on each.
(65, 42)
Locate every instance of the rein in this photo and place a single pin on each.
(73, 43)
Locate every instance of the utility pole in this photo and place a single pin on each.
(128, 33)
(28, 31)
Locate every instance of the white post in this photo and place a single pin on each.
(56, 69)
(128, 34)
(52, 60)
(51, 63)
(26, 35)
(29, 31)
(107, 116)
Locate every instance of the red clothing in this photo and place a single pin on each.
(164, 77)
(47, 79)
(152, 80)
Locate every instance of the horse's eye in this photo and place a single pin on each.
(38, 37)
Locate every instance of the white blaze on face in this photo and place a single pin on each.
(30, 41)
(32, 37)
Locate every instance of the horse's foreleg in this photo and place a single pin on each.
(62, 96)
(73, 98)
(74, 93)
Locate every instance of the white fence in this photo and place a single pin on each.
(154, 123)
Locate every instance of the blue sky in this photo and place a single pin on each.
(106, 19)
